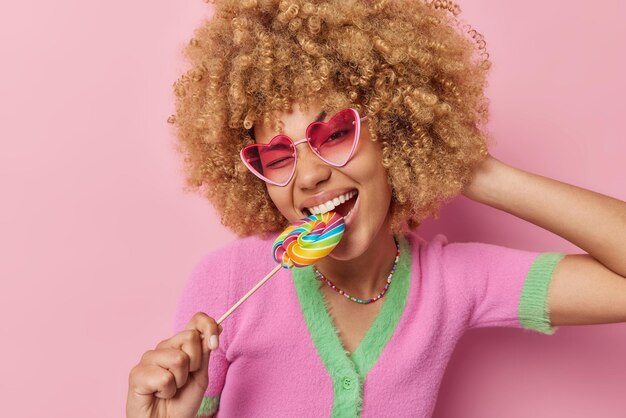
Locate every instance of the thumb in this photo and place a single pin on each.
(202, 375)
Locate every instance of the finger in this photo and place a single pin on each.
(207, 327)
(172, 359)
(202, 375)
(149, 379)
(190, 342)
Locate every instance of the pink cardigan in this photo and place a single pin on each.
(280, 356)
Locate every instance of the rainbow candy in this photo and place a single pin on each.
(299, 245)
(307, 240)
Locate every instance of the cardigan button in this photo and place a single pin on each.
(347, 383)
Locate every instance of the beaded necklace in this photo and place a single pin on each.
(321, 277)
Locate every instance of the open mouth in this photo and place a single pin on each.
(345, 208)
(342, 205)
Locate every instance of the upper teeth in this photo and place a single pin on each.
(331, 204)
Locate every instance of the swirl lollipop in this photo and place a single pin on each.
(307, 240)
(301, 244)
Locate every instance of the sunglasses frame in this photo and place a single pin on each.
(307, 139)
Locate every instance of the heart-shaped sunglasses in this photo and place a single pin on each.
(333, 142)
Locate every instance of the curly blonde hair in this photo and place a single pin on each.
(411, 66)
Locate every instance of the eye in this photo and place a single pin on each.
(279, 163)
(336, 135)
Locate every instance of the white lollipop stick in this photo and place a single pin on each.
(332, 222)
(254, 289)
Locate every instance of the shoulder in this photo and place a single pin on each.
(243, 257)
(239, 248)
(475, 261)
(431, 249)
(220, 273)
(460, 253)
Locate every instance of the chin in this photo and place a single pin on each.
(350, 247)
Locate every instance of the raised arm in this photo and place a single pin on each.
(585, 288)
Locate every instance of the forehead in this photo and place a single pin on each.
(292, 124)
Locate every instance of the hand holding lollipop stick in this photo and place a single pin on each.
(299, 245)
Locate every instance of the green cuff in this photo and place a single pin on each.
(208, 407)
(533, 306)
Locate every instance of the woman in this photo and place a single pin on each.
(375, 111)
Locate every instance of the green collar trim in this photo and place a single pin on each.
(348, 372)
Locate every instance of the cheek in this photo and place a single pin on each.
(377, 176)
(276, 196)
(371, 164)
(282, 199)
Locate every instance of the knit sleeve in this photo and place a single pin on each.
(206, 291)
(504, 287)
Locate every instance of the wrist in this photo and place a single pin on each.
(484, 178)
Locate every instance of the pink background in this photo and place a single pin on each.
(97, 238)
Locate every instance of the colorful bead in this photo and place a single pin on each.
(321, 277)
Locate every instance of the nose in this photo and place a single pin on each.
(310, 169)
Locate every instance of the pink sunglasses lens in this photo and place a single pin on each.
(273, 161)
(334, 140)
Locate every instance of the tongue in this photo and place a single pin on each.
(345, 207)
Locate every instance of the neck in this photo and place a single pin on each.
(365, 275)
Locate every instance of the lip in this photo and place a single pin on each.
(324, 197)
